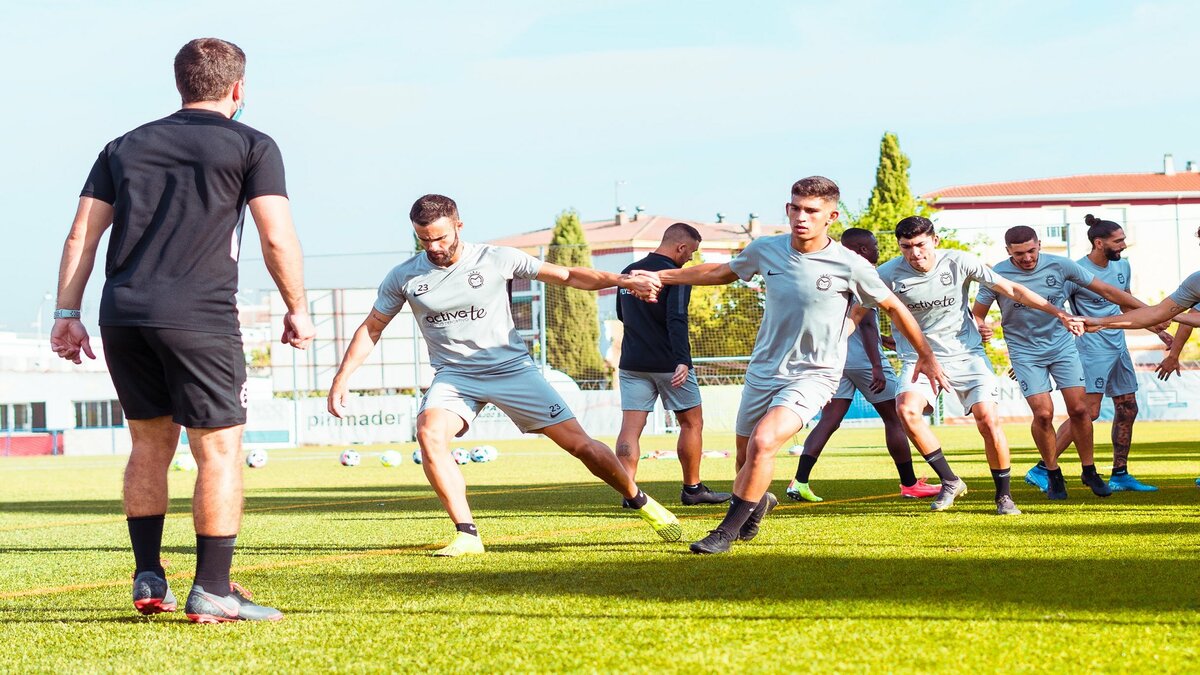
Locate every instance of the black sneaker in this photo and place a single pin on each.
(1097, 483)
(717, 541)
(203, 607)
(151, 594)
(750, 528)
(704, 496)
(1057, 487)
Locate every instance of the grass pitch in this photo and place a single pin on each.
(865, 581)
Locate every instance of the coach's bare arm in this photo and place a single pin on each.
(706, 274)
(364, 340)
(285, 261)
(1167, 310)
(69, 337)
(588, 279)
(903, 321)
(1018, 293)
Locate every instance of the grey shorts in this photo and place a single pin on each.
(640, 390)
(971, 380)
(860, 379)
(525, 396)
(1108, 373)
(1034, 374)
(805, 396)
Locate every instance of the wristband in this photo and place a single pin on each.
(67, 314)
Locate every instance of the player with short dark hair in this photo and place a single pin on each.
(867, 372)
(656, 363)
(458, 293)
(1040, 348)
(175, 192)
(798, 355)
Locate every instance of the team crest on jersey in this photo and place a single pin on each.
(824, 282)
(475, 279)
(1052, 282)
(946, 278)
(900, 287)
(1120, 277)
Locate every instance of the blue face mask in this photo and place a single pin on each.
(237, 114)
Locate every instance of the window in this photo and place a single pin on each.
(1054, 224)
(98, 414)
(22, 416)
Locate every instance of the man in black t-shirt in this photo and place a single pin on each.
(175, 192)
(656, 362)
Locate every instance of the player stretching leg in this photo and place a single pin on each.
(866, 372)
(459, 295)
(1040, 348)
(798, 355)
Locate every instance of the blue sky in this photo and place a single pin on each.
(519, 110)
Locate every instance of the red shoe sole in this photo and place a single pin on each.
(151, 606)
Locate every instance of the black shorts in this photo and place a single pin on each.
(199, 379)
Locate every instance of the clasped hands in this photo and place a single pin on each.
(644, 284)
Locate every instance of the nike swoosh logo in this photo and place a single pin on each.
(556, 414)
(231, 609)
(771, 274)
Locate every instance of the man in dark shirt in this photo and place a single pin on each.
(656, 362)
(175, 192)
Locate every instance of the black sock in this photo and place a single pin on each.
(693, 489)
(214, 557)
(1002, 479)
(940, 465)
(907, 477)
(737, 515)
(1042, 464)
(468, 528)
(1055, 473)
(1120, 470)
(1089, 469)
(804, 470)
(638, 501)
(145, 533)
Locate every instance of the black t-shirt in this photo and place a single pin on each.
(656, 333)
(179, 187)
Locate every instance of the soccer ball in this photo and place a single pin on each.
(257, 459)
(481, 453)
(416, 456)
(183, 463)
(390, 458)
(796, 450)
(461, 456)
(350, 458)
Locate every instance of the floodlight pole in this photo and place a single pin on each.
(542, 316)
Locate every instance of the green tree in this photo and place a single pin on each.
(572, 324)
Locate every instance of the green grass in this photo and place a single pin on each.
(864, 581)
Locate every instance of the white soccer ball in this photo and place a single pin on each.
(416, 456)
(257, 459)
(184, 462)
(480, 453)
(350, 458)
(493, 453)
(461, 456)
(796, 450)
(390, 458)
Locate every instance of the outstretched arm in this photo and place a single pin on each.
(706, 274)
(1023, 295)
(1145, 317)
(364, 340)
(68, 337)
(589, 279)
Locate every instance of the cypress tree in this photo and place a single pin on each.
(572, 317)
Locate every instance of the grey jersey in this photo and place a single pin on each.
(1086, 303)
(938, 300)
(463, 310)
(807, 297)
(1031, 333)
(1188, 293)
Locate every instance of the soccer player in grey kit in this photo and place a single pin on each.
(459, 295)
(1040, 349)
(798, 355)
